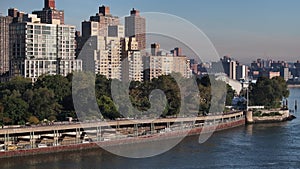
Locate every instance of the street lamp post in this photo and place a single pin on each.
(246, 85)
(247, 106)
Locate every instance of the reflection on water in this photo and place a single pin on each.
(253, 146)
(249, 129)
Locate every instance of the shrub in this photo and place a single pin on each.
(33, 120)
(257, 113)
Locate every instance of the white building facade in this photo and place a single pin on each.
(165, 65)
(42, 49)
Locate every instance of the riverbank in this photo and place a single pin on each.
(268, 116)
(156, 138)
(294, 86)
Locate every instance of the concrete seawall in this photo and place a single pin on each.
(285, 115)
(136, 140)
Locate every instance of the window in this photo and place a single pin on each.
(37, 27)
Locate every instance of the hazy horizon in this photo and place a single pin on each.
(243, 30)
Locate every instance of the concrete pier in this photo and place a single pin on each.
(282, 115)
(249, 117)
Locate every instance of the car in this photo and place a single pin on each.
(42, 145)
(12, 147)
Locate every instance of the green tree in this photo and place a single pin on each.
(17, 83)
(42, 104)
(204, 99)
(169, 86)
(268, 92)
(60, 86)
(230, 95)
(102, 86)
(15, 109)
(107, 108)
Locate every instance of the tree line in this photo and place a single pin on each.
(268, 92)
(50, 98)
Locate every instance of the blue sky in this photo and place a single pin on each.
(244, 30)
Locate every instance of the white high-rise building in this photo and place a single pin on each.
(241, 72)
(135, 66)
(132, 60)
(165, 64)
(42, 49)
(102, 55)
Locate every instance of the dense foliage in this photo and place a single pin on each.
(268, 92)
(50, 98)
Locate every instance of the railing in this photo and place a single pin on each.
(99, 137)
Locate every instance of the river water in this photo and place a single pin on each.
(253, 146)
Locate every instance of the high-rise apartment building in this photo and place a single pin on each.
(232, 70)
(241, 72)
(297, 68)
(132, 60)
(104, 19)
(49, 4)
(165, 65)
(155, 48)
(102, 56)
(116, 31)
(229, 66)
(37, 49)
(50, 14)
(89, 29)
(158, 65)
(102, 24)
(177, 52)
(136, 66)
(285, 73)
(4, 43)
(270, 74)
(13, 12)
(135, 26)
(16, 14)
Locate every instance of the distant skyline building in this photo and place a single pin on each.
(297, 68)
(241, 72)
(49, 14)
(285, 73)
(5, 21)
(229, 66)
(270, 74)
(135, 26)
(270, 68)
